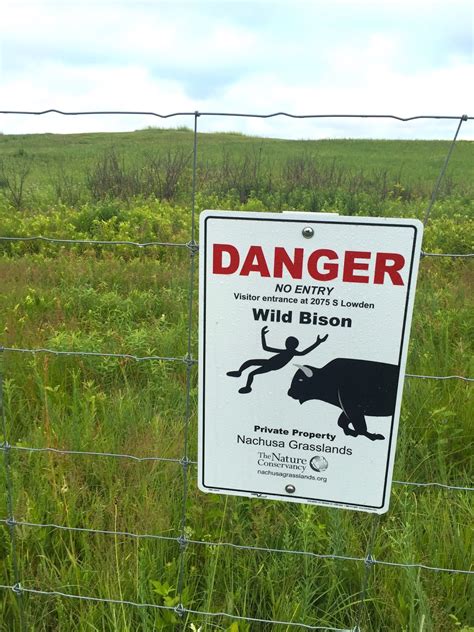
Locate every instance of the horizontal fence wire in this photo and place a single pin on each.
(96, 242)
(129, 534)
(114, 455)
(369, 560)
(196, 113)
(451, 255)
(186, 360)
(142, 459)
(440, 377)
(179, 610)
(100, 354)
(431, 484)
(184, 541)
(192, 245)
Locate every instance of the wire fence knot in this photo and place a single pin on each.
(10, 521)
(370, 560)
(188, 360)
(5, 446)
(182, 541)
(185, 462)
(193, 247)
(17, 589)
(179, 609)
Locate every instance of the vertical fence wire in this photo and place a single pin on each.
(442, 173)
(193, 249)
(369, 563)
(9, 498)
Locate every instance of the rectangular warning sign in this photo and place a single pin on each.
(304, 327)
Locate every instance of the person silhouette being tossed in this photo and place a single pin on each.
(277, 361)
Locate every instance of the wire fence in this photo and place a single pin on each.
(183, 541)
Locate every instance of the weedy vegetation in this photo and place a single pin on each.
(137, 187)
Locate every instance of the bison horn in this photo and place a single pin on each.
(307, 370)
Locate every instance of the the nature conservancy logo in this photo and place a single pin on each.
(318, 464)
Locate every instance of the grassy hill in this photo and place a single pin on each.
(238, 160)
(414, 159)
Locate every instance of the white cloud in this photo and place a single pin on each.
(400, 57)
(126, 34)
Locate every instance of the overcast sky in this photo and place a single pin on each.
(403, 57)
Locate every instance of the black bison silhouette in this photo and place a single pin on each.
(357, 387)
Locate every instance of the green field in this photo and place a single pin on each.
(124, 299)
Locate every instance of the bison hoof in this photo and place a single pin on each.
(245, 389)
(375, 437)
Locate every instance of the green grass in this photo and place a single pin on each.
(417, 160)
(311, 175)
(133, 300)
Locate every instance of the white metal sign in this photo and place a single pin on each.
(304, 327)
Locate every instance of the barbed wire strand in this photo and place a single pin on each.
(442, 173)
(9, 498)
(187, 360)
(183, 541)
(141, 459)
(190, 245)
